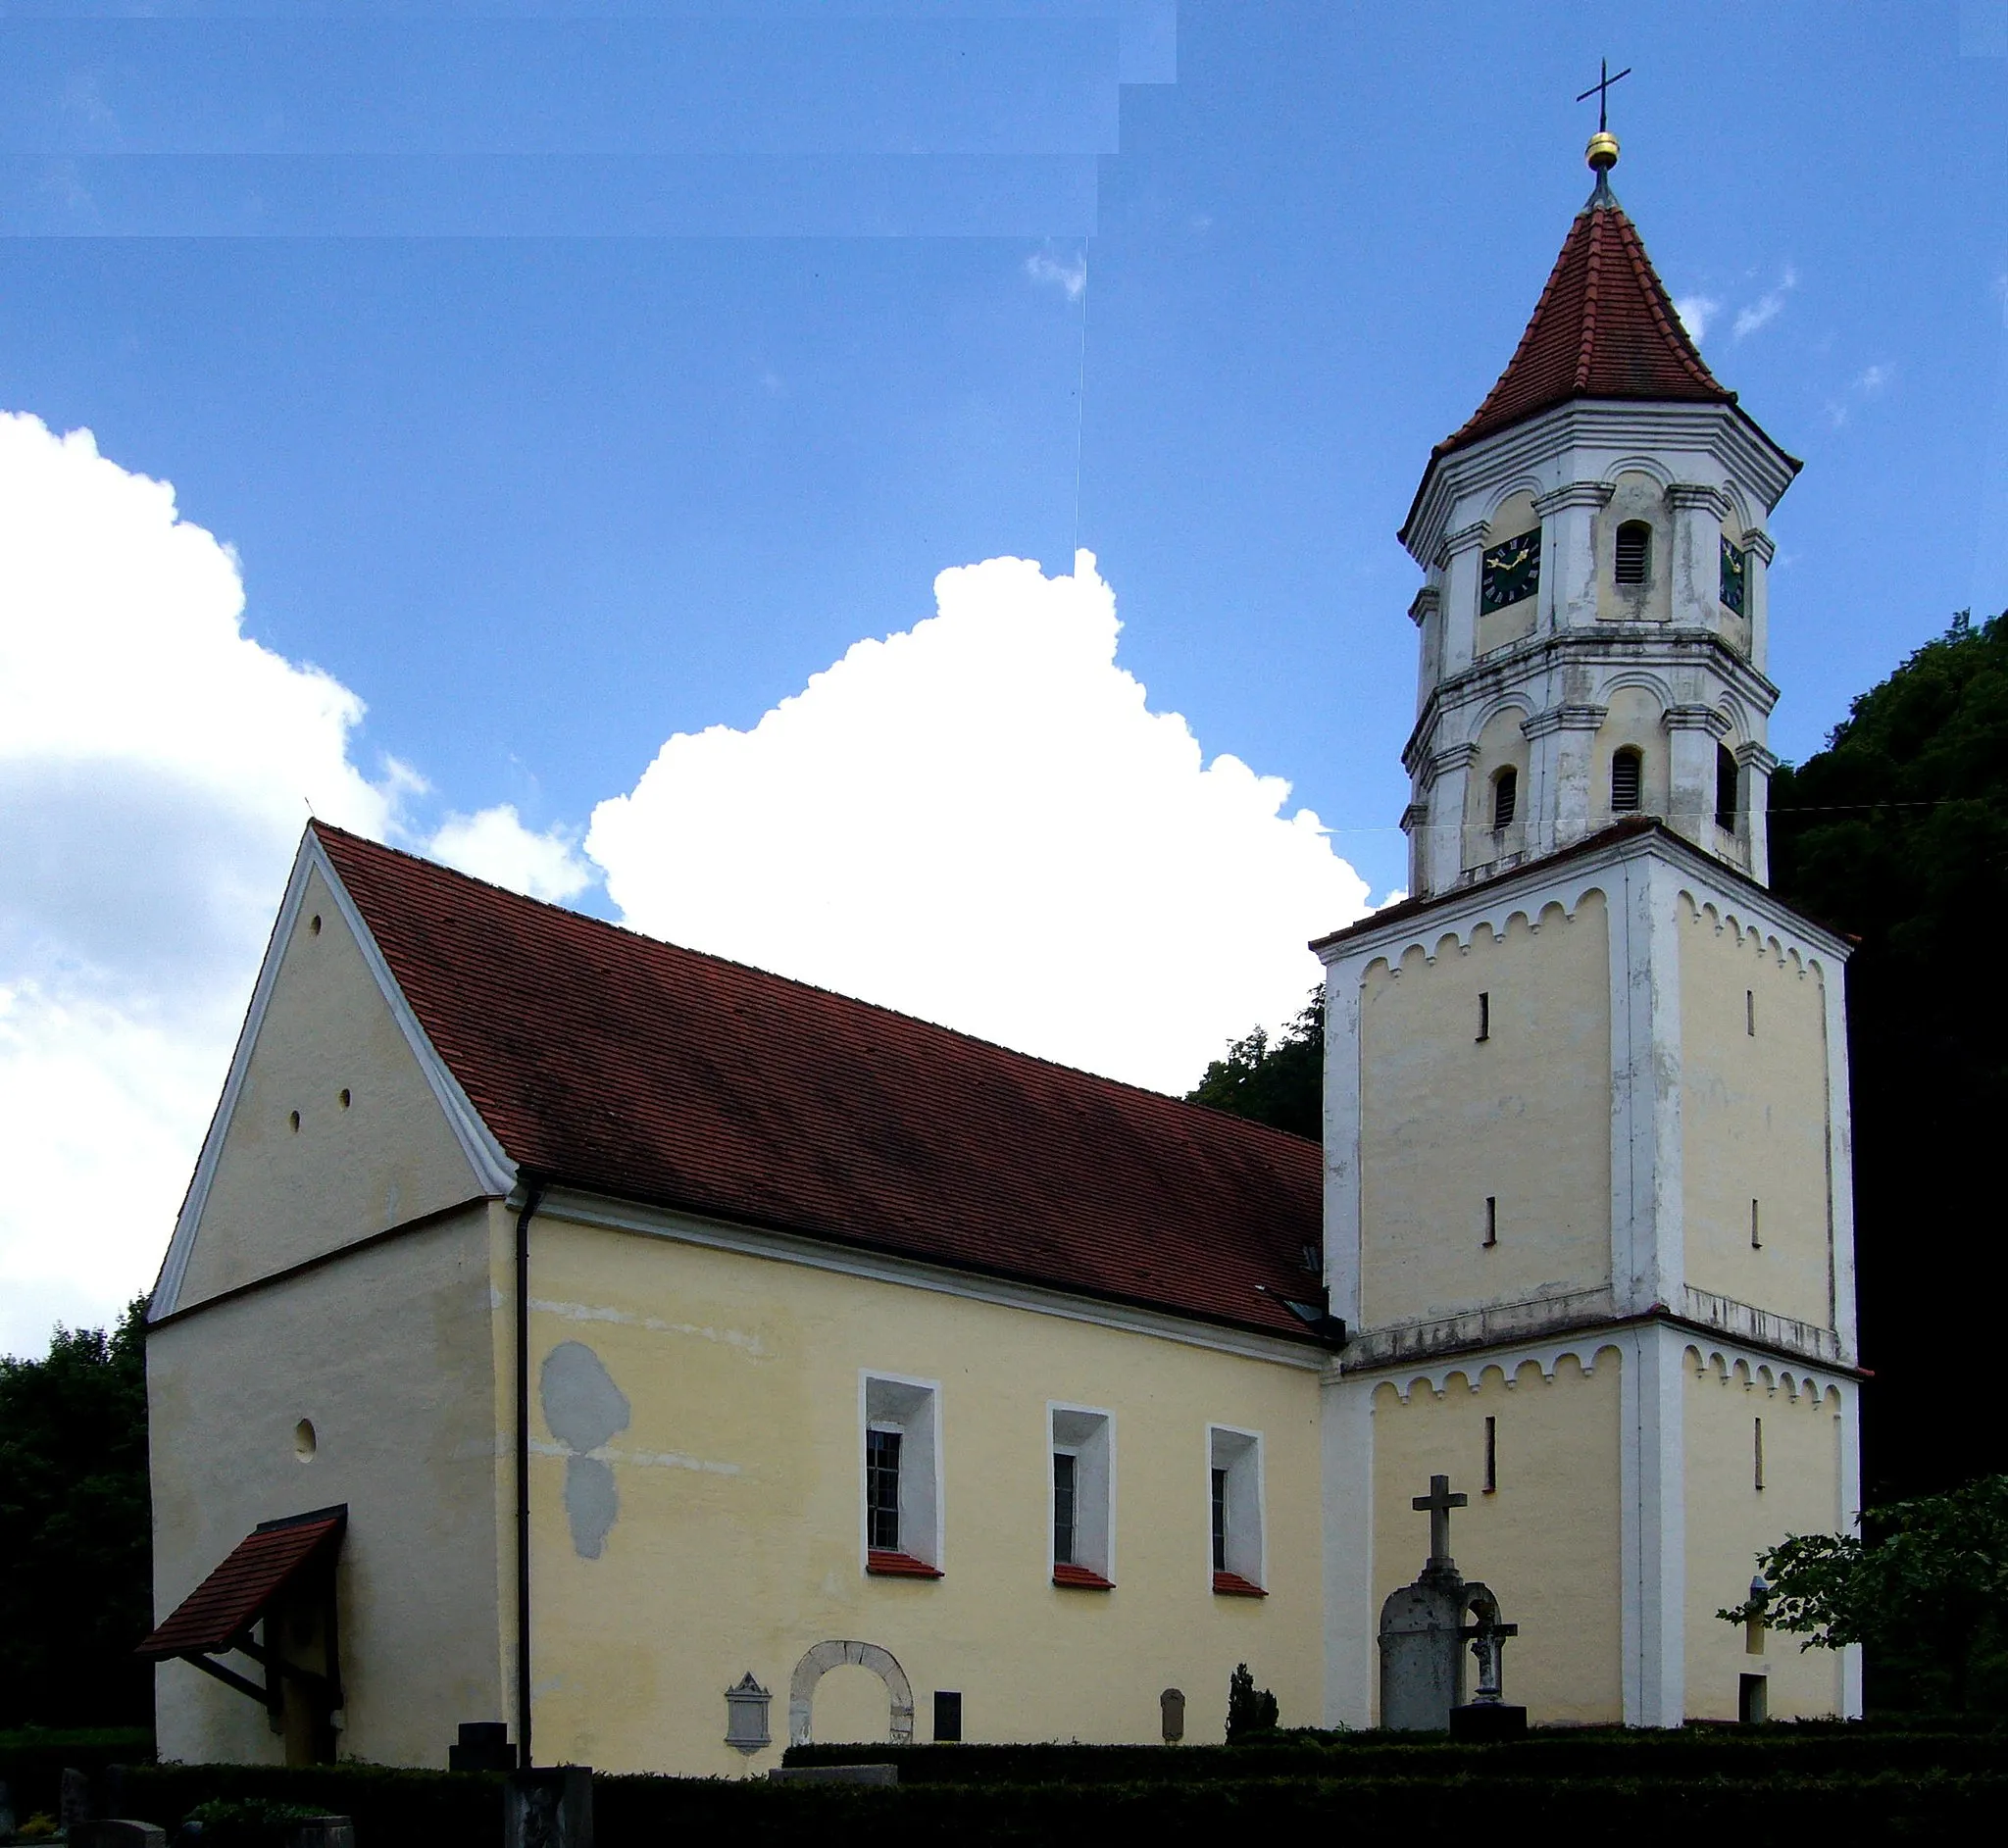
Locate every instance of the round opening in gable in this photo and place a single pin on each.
(304, 1443)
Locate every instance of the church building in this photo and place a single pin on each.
(665, 1360)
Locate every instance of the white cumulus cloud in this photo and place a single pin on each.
(981, 820)
(156, 767)
(493, 844)
(1695, 313)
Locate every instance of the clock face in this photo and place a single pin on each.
(1736, 572)
(1512, 569)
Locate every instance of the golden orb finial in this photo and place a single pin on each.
(1602, 152)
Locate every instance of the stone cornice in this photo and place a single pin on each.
(1695, 718)
(1592, 494)
(1564, 718)
(1462, 540)
(1755, 756)
(1761, 543)
(1694, 494)
(1427, 601)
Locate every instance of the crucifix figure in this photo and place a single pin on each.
(1601, 90)
(1437, 1504)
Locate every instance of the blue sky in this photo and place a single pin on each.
(566, 380)
(542, 500)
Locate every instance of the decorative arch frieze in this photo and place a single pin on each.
(1532, 909)
(823, 1657)
(1586, 1353)
(1819, 1390)
(1761, 937)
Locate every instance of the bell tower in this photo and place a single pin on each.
(1587, 1207)
(1593, 612)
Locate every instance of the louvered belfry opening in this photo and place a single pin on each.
(1505, 798)
(1627, 781)
(1635, 552)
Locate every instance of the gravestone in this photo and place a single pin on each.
(1423, 1638)
(73, 1808)
(323, 1831)
(115, 1832)
(1171, 1707)
(1422, 1643)
(6, 1814)
(548, 1809)
(483, 1745)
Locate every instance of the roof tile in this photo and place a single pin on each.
(611, 1062)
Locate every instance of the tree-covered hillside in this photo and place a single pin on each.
(1898, 835)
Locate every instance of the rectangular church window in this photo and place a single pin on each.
(1235, 1460)
(902, 1528)
(1491, 1456)
(1082, 1447)
(881, 1489)
(1510, 571)
(1735, 577)
(947, 1717)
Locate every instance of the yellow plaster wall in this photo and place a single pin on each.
(1525, 1117)
(738, 1543)
(281, 1195)
(1729, 1521)
(388, 1354)
(1753, 1119)
(1546, 1540)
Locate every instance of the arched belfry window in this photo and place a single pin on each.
(1725, 804)
(1627, 777)
(1505, 798)
(1635, 552)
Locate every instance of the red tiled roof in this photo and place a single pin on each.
(233, 1598)
(1602, 328)
(611, 1062)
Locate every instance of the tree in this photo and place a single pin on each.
(1250, 1708)
(1898, 835)
(75, 1521)
(1280, 1083)
(1924, 1592)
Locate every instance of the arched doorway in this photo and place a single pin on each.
(818, 1663)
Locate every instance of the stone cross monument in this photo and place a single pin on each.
(1423, 1636)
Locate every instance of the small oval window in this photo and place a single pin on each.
(314, 925)
(1635, 552)
(304, 1443)
(293, 1120)
(345, 1100)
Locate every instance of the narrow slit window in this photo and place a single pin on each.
(1756, 1231)
(1628, 781)
(1505, 798)
(1757, 1453)
(1491, 1456)
(1485, 1014)
(1063, 1508)
(881, 1489)
(1726, 789)
(1635, 552)
(1750, 1012)
(1492, 1219)
(1219, 1521)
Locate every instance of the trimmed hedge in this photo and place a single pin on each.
(444, 1809)
(1805, 1750)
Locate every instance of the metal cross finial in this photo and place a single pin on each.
(1601, 89)
(1437, 1504)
